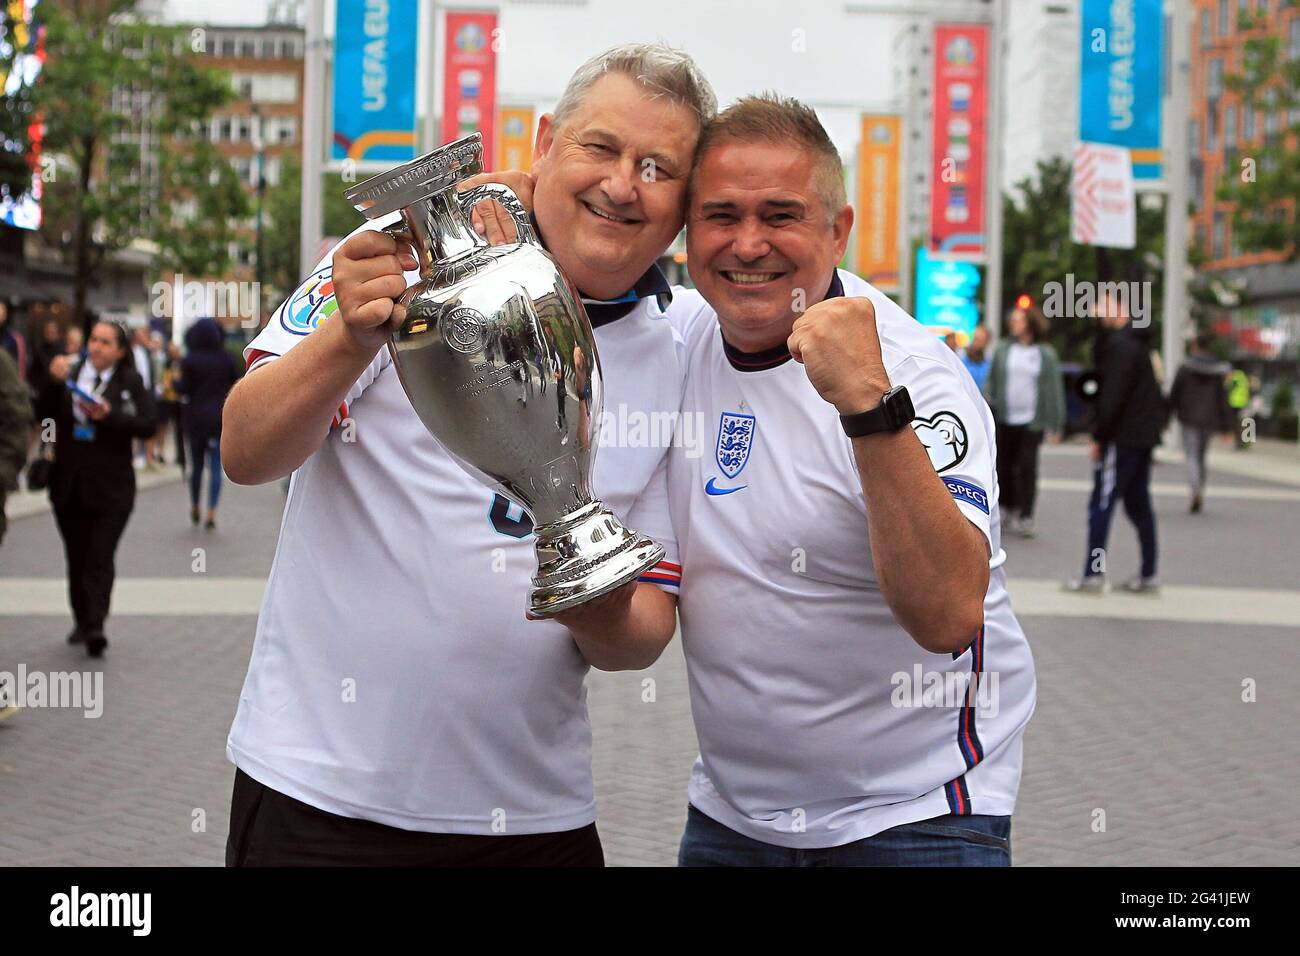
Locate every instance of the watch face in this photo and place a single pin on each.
(899, 403)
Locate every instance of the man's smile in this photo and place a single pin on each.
(607, 215)
(749, 277)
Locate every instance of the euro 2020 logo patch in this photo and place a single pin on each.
(312, 304)
(944, 438)
(735, 438)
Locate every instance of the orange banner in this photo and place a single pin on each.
(516, 138)
(877, 213)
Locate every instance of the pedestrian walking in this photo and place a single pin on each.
(1131, 414)
(1199, 399)
(44, 349)
(74, 341)
(12, 341)
(976, 356)
(15, 418)
(100, 406)
(1239, 395)
(207, 376)
(1027, 396)
(170, 404)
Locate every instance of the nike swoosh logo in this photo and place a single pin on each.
(713, 489)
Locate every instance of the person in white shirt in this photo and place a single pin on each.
(859, 682)
(399, 707)
(1025, 391)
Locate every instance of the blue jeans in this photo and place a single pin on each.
(1124, 475)
(204, 445)
(942, 841)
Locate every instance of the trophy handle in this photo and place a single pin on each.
(507, 198)
(400, 232)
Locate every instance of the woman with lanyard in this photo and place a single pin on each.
(99, 405)
(1024, 390)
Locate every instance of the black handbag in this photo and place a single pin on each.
(38, 474)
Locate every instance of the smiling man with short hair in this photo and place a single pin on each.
(859, 682)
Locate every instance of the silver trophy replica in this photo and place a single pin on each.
(496, 354)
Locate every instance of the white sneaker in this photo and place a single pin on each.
(1092, 584)
(1141, 585)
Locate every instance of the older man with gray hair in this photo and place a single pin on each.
(398, 707)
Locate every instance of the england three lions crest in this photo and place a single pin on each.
(735, 438)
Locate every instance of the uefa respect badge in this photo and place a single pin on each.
(311, 305)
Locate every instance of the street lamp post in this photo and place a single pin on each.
(260, 145)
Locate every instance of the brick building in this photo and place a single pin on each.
(1260, 309)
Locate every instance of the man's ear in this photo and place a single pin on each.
(545, 136)
(841, 226)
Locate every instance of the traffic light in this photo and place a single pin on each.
(1024, 301)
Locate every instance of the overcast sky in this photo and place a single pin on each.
(217, 11)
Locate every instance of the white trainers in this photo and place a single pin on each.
(1141, 585)
(1092, 584)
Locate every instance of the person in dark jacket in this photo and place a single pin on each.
(15, 419)
(207, 375)
(44, 349)
(1131, 414)
(12, 341)
(100, 406)
(1199, 397)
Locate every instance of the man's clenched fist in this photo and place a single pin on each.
(837, 343)
(368, 279)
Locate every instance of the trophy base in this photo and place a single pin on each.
(584, 555)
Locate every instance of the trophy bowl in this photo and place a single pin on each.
(498, 359)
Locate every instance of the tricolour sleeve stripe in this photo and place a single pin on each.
(257, 357)
(665, 574)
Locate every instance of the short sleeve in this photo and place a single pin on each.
(300, 315)
(307, 308)
(955, 431)
(650, 517)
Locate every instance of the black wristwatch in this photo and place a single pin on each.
(894, 413)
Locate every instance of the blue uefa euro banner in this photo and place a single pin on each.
(1122, 63)
(374, 80)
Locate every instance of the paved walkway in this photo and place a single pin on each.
(1140, 720)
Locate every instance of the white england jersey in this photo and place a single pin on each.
(820, 720)
(394, 676)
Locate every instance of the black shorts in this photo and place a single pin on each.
(268, 828)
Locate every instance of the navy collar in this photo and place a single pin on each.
(653, 282)
(779, 354)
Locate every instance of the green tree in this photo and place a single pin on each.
(17, 41)
(281, 228)
(1037, 250)
(1262, 178)
(108, 73)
